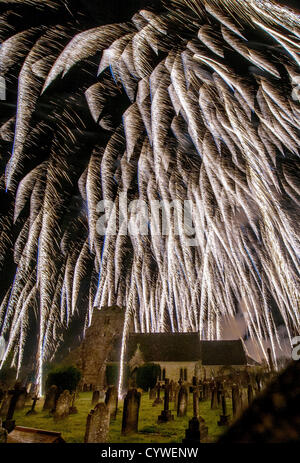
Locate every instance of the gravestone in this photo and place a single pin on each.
(197, 431)
(176, 392)
(205, 391)
(152, 393)
(50, 399)
(195, 403)
(95, 398)
(97, 425)
(166, 414)
(21, 400)
(15, 393)
(131, 408)
(172, 391)
(3, 434)
(158, 400)
(182, 401)
(214, 399)
(32, 410)
(62, 408)
(73, 409)
(236, 402)
(111, 400)
(22, 435)
(224, 418)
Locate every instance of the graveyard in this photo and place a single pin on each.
(170, 412)
(149, 431)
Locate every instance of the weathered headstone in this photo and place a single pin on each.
(224, 418)
(131, 412)
(158, 400)
(236, 401)
(62, 408)
(15, 393)
(182, 401)
(95, 398)
(21, 400)
(22, 435)
(73, 409)
(152, 393)
(172, 391)
(176, 392)
(166, 414)
(214, 399)
(111, 400)
(50, 399)
(197, 431)
(97, 425)
(196, 402)
(205, 391)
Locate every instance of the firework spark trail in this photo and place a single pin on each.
(194, 103)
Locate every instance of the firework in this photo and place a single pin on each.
(197, 102)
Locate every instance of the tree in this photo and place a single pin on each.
(64, 378)
(146, 376)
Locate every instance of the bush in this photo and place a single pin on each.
(146, 376)
(64, 378)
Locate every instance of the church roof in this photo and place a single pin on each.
(182, 347)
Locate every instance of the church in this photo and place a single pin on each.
(183, 355)
(180, 355)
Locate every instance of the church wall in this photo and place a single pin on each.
(173, 369)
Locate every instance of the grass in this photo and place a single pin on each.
(73, 427)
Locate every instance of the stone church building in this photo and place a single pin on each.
(183, 355)
(180, 355)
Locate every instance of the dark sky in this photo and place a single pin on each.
(122, 10)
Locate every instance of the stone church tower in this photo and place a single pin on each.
(91, 356)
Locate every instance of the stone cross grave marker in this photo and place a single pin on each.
(197, 431)
(32, 410)
(131, 409)
(158, 400)
(166, 414)
(97, 425)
